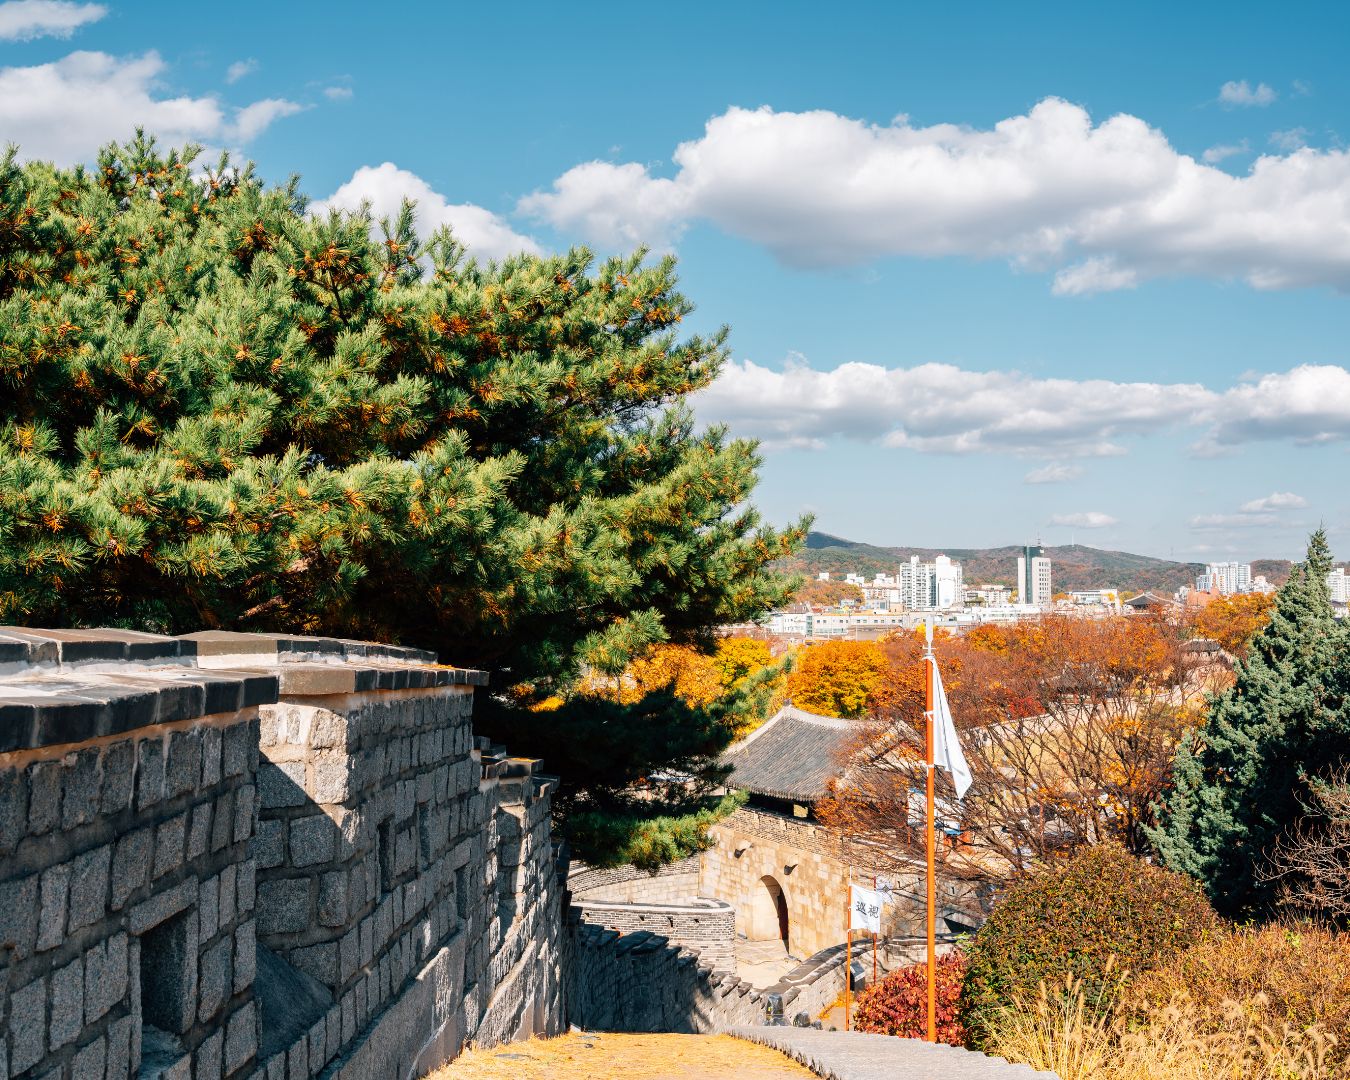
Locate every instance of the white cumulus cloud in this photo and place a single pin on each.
(1240, 92)
(253, 120)
(946, 409)
(1290, 140)
(240, 69)
(1094, 275)
(615, 205)
(64, 111)
(1088, 519)
(1308, 404)
(24, 20)
(1054, 473)
(1278, 500)
(1223, 151)
(1102, 205)
(384, 187)
(943, 408)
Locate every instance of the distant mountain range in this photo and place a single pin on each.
(1074, 566)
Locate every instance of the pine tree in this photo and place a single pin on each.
(219, 410)
(1242, 781)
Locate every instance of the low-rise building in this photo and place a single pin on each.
(989, 595)
(1107, 598)
(785, 873)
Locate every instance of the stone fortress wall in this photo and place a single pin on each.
(778, 870)
(258, 856)
(674, 883)
(664, 902)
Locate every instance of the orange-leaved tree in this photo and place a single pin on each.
(836, 678)
(737, 667)
(1234, 620)
(1070, 727)
(827, 593)
(689, 673)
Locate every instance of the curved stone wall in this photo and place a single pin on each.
(664, 902)
(703, 925)
(673, 884)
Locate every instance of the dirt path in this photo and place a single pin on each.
(588, 1056)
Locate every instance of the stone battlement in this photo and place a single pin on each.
(264, 857)
(68, 686)
(261, 856)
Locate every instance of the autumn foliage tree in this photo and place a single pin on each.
(700, 678)
(220, 410)
(1069, 725)
(827, 593)
(1233, 620)
(737, 658)
(836, 678)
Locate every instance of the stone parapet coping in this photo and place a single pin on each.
(852, 1055)
(68, 686)
(703, 905)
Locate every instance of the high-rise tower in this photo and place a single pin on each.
(1033, 576)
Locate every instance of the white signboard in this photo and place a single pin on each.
(864, 909)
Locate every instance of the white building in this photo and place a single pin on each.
(831, 624)
(883, 592)
(933, 586)
(822, 625)
(1033, 576)
(1225, 578)
(990, 595)
(1339, 585)
(1107, 598)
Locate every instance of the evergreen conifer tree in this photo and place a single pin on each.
(1241, 781)
(220, 410)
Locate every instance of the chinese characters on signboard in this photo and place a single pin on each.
(865, 908)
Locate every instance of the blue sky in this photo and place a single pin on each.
(1092, 284)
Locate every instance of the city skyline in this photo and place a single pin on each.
(1067, 302)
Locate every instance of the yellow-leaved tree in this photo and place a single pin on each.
(836, 678)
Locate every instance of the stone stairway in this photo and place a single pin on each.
(849, 1055)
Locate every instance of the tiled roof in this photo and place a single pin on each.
(792, 756)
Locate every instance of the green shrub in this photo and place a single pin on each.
(898, 1004)
(1095, 917)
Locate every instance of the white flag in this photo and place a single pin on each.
(864, 909)
(946, 746)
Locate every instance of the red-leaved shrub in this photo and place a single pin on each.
(898, 1004)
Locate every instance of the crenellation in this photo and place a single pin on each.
(337, 824)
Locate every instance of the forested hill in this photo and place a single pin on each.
(1075, 566)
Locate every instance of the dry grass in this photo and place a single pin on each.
(1060, 1031)
(590, 1056)
(1297, 974)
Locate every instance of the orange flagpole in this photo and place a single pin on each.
(929, 665)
